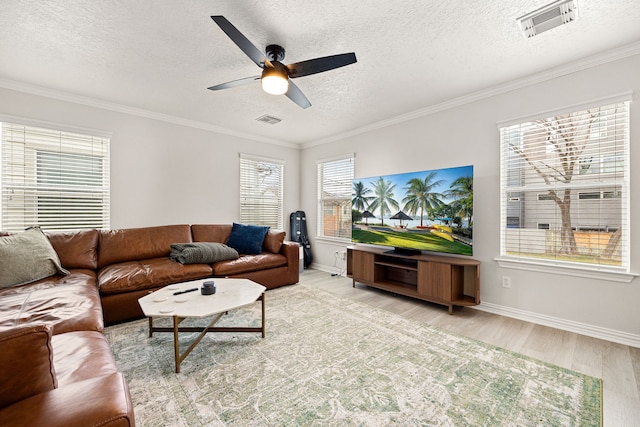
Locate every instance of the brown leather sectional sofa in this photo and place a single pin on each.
(56, 367)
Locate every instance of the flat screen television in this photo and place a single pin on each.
(431, 210)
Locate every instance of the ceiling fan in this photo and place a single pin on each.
(275, 75)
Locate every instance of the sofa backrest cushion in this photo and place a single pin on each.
(76, 249)
(211, 232)
(220, 233)
(26, 358)
(134, 244)
(273, 241)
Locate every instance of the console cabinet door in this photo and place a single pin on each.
(434, 280)
(363, 266)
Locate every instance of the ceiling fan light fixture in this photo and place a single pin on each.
(275, 81)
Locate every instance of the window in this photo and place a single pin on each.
(261, 191)
(55, 179)
(335, 178)
(565, 188)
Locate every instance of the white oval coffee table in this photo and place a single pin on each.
(230, 294)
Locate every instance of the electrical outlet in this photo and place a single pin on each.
(336, 254)
(506, 281)
(343, 255)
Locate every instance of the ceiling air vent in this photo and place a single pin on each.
(269, 119)
(548, 17)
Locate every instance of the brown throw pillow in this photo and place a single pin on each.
(273, 241)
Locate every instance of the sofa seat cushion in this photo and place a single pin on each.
(101, 401)
(248, 263)
(81, 355)
(67, 303)
(76, 277)
(148, 274)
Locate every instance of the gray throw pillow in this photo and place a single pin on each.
(26, 257)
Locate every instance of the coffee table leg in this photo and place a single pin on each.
(263, 321)
(150, 327)
(176, 343)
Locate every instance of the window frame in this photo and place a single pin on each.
(344, 174)
(249, 199)
(614, 273)
(76, 194)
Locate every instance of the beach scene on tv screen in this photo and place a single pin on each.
(430, 210)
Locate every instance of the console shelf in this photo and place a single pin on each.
(443, 280)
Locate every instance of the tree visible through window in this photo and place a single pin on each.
(334, 197)
(54, 179)
(565, 187)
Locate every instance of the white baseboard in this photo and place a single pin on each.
(329, 269)
(599, 332)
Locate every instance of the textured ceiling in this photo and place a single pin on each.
(161, 55)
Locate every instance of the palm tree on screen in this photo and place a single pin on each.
(420, 195)
(383, 199)
(461, 190)
(361, 199)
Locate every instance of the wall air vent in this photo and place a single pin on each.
(269, 119)
(548, 17)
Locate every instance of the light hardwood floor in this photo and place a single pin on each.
(618, 365)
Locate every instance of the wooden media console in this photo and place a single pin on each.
(445, 280)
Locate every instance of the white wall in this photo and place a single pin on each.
(163, 173)
(468, 134)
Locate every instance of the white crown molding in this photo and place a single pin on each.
(120, 108)
(589, 62)
(552, 73)
(599, 332)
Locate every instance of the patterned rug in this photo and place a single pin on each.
(329, 361)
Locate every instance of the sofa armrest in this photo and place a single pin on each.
(292, 251)
(101, 401)
(26, 363)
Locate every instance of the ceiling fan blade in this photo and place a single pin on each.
(240, 40)
(319, 65)
(234, 83)
(295, 94)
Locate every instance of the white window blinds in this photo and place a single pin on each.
(334, 180)
(565, 188)
(261, 191)
(56, 180)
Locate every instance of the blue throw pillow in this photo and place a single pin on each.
(247, 239)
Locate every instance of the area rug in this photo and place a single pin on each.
(329, 361)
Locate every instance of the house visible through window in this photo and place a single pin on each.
(54, 179)
(261, 191)
(565, 188)
(334, 180)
